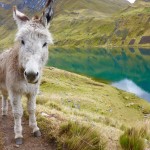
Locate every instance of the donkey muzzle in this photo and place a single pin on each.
(31, 77)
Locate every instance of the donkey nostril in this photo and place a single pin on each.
(31, 76)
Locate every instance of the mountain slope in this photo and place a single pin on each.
(130, 27)
(141, 2)
(70, 15)
(86, 23)
(104, 6)
(67, 97)
(136, 21)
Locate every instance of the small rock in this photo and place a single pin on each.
(44, 114)
(130, 104)
(17, 146)
(127, 98)
(110, 110)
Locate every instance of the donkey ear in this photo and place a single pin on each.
(47, 14)
(19, 17)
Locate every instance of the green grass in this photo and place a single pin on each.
(104, 6)
(68, 100)
(91, 31)
(131, 140)
(99, 30)
(72, 135)
(90, 24)
(81, 137)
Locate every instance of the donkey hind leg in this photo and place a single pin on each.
(32, 118)
(15, 100)
(4, 104)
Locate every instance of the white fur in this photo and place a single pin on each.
(17, 13)
(4, 105)
(29, 57)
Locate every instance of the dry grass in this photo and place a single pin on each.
(67, 98)
(137, 137)
(132, 140)
(144, 129)
(71, 135)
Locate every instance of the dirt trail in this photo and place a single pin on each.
(30, 142)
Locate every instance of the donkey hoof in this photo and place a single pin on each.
(19, 141)
(4, 114)
(37, 133)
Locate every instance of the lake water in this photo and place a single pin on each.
(127, 69)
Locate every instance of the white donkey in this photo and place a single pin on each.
(21, 67)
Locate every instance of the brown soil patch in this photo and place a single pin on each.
(30, 142)
(145, 40)
(132, 42)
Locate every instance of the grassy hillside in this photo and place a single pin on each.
(123, 29)
(72, 18)
(89, 23)
(103, 6)
(112, 65)
(78, 113)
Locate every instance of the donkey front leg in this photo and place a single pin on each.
(15, 99)
(32, 118)
(4, 104)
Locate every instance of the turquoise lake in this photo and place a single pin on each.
(127, 69)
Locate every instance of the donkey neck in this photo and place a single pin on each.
(14, 54)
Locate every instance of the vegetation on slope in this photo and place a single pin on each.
(99, 63)
(91, 23)
(107, 7)
(75, 29)
(70, 104)
(134, 138)
(74, 23)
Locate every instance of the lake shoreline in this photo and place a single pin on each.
(106, 65)
(89, 47)
(71, 98)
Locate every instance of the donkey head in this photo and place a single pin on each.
(34, 37)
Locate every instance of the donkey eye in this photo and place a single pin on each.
(22, 42)
(45, 44)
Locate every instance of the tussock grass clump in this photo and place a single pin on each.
(80, 137)
(144, 129)
(48, 128)
(132, 139)
(71, 135)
